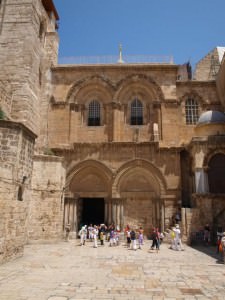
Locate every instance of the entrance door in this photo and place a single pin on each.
(92, 211)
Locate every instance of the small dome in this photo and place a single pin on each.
(211, 116)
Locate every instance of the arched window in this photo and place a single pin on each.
(136, 114)
(216, 174)
(94, 113)
(191, 111)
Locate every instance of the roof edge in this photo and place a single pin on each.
(50, 6)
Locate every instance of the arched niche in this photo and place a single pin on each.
(216, 173)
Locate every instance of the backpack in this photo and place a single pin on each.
(132, 235)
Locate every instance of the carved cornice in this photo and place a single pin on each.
(171, 103)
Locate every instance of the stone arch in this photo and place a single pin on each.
(90, 176)
(93, 86)
(148, 178)
(210, 154)
(192, 94)
(215, 163)
(142, 188)
(138, 85)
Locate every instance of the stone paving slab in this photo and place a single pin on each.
(67, 271)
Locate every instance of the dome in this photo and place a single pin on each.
(211, 116)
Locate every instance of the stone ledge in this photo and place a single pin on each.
(17, 126)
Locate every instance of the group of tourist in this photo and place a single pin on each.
(175, 238)
(134, 237)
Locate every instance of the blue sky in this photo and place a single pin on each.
(186, 29)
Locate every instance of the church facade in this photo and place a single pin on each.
(124, 143)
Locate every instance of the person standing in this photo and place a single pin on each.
(172, 238)
(83, 235)
(141, 237)
(178, 217)
(133, 240)
(112, 238)
(102, 238)
(95, 236)
(128, 238)
(207, 234)
(67, 229)
(177, 241)
(223, 247)
(155, 239)
(90, 234)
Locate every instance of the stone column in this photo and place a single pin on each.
(116, 107)
(117, 203)
(162, 215)
(109, 211)
(83, 114)
(157, 112)
(114, 210)
(106, 211)
(71, 213)
(117, 209)
(201, 181)
(154, 212)
(66, 211)
(121, 214)
(75, 229)
(125, 109)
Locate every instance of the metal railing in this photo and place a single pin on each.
(113, 59)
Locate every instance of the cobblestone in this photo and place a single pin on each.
(66, 271)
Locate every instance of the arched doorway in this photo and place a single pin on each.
(216, 174)
(88, 185)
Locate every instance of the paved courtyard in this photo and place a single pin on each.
(66, 271)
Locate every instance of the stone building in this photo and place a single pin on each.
(123, 142)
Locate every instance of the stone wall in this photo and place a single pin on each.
(207, 209)
(220, 82)
(115, 86)
(5, 98)
(16, 151)
(208, 67)
(47, 199)
(23, 57)
(139, 212)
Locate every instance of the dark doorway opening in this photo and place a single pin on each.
(216, 174)
(92, 211)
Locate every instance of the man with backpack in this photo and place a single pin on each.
(133, 240)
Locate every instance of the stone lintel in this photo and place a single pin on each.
(50, 158)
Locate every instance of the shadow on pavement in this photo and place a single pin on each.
(210, 250)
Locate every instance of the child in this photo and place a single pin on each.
(112, 240)
(141, 237)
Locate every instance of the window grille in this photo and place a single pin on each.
(136, 112)
(94, 113)
(191, 111)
